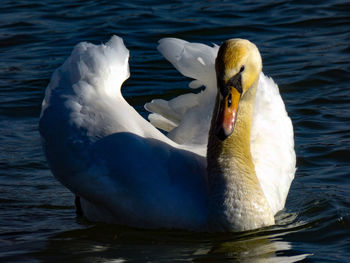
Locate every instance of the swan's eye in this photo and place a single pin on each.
(242, 69)
(229, 100)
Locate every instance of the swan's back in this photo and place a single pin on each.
(124, 169)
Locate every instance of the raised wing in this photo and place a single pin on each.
(187, 117)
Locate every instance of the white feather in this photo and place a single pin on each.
(272, 143)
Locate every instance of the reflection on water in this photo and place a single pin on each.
(254, 250)
(110, 243)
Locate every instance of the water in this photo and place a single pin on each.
(305, 48)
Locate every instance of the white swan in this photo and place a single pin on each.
(128, 172)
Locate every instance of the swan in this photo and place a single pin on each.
(226, 163)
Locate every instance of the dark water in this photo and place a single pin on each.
(305, 48)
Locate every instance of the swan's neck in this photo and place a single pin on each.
(236, 199)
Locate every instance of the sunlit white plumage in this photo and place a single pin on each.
(128, 172)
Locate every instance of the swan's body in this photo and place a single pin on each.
(126, 171)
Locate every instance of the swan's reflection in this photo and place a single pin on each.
(253, 250)
(109, 243)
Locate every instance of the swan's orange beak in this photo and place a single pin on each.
(227, 114)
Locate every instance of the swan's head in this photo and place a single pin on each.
(238, 65)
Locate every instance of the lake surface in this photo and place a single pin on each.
(305, 48)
